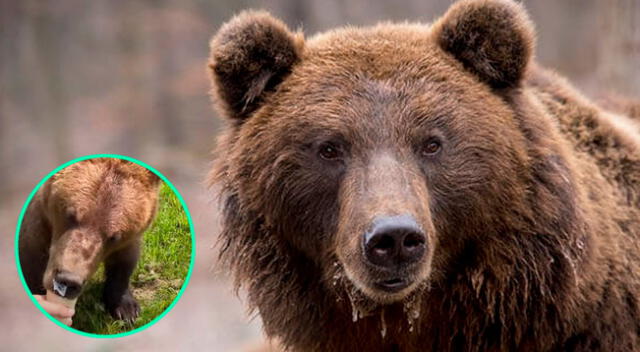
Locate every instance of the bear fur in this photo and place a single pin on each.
(528, 194)
(90, 212)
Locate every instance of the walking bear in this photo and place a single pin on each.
(90, 212)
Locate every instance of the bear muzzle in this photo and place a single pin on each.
(385, 236)
(74, 257)
(393, 245)
(393, 258)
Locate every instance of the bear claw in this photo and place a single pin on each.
(127, 309)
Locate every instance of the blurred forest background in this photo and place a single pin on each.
(79, 77)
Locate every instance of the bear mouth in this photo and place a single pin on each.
(381, 287)
(392, 285)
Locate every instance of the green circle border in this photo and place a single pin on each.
(184, 284)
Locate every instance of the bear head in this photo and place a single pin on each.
(373, 158)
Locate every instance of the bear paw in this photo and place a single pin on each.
(126, 309)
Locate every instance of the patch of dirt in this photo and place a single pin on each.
(146, 290)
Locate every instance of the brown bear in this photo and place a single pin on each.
(424, 187)
(90, 212)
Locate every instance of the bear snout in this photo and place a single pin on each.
(67, 284)
(394, 242)
(392, 258)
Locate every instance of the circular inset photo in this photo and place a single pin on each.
(105, 245)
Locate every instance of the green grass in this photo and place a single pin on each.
(157, 279)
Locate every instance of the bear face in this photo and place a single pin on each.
(94, 208)
(375, 152)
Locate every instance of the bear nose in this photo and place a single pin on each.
(394, 241)
(67, 284)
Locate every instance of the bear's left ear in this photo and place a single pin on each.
(153, 178)
(494, 39)
(250, 55)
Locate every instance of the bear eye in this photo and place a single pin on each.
(115, 237)
(329, 151)
(431, 147)
(70, 217)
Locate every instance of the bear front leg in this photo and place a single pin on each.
(34, 244)
(117, 297)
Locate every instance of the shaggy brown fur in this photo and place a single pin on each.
(90, 212)
(527, 193)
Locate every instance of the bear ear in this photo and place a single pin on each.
(494, 39)
(154, 179)
(250, 55)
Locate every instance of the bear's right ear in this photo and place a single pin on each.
(250, 55)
